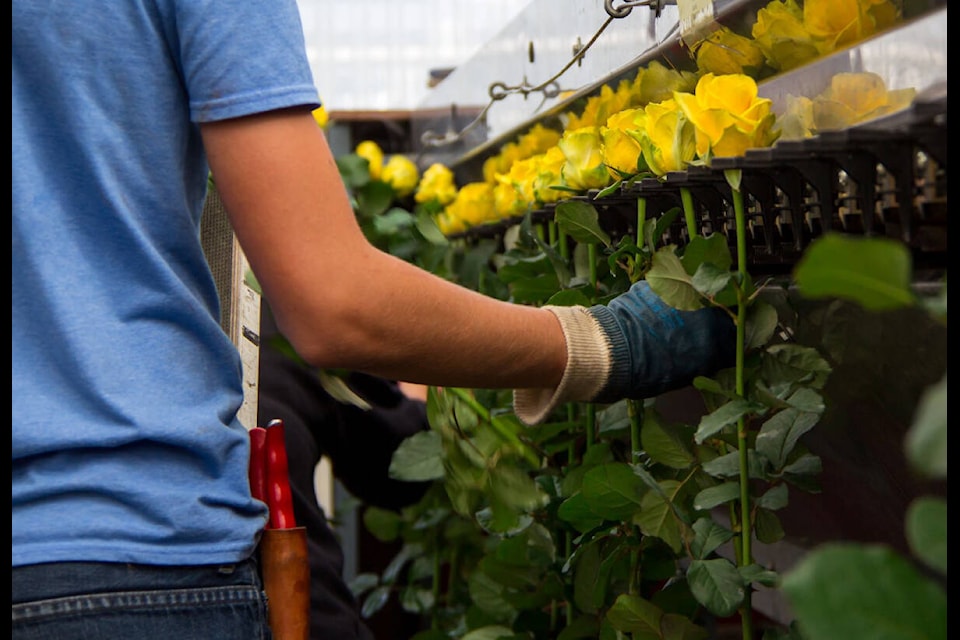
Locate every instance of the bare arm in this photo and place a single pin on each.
(343, 303)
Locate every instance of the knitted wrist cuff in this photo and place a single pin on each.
(587, 371)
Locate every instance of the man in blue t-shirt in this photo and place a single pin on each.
(132, 515)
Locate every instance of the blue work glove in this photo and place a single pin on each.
(635, 347)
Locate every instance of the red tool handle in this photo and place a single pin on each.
(279, 497)
(258, 463)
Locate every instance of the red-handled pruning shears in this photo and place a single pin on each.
(269, 474)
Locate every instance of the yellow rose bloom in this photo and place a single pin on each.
(373, 154)
(622, 153)
(658, 83)
(449, 225)
(537, 140)
(728, 115)
(507, 201)
(584, 168)
(856, 97)
(837, 23)
(437, 184)
(473, 205)
(780, 33)
(549, 171)
(668, 139)
(320, 115)
(402, 174)
(725, 51)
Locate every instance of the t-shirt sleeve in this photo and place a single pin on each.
(241, 57)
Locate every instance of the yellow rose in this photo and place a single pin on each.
(473, 205)
(728, 115)
(779, 32)
(836, 23)
(668, 139)
(449, 225)
(658, 82)
(549, 175)
(621, 147)
(856, 97)
(584, 168)
(402, 174)
(437, 184)
(725, 51)
(320, 115)
(373, 154)
(507, 201)
(600, 107)
(537, 140)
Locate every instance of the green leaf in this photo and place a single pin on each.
(725, 416)
(845, 590)
(663, 444)
(382, 523)
(779, 434)
(714, 496)
(586, 578)
(761, 323)
(419, 457)
(354, 170)
(718, 586)
(774, 499)
(927, 531)
(340, 390)
(709, 536)
(767, 527)
(373, 198)
(733, 178)
(427, 226)
(926, 442)
(489, 595)
(613, 490)
(871, 271)
(656, 517)
(710, 250)
(363, 582)
(579, 220)
(416, 600)
(633, 614)
(794, 363)
(492, 632)
(577, 511)
(375, 601)
(670, 281)
(754, 573)
(728, 465)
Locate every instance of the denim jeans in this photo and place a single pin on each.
(102, 601)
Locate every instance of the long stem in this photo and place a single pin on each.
(745, 522)
(504, 432)
(686, 197)
(641, 220)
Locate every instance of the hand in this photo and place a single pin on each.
(656, 348)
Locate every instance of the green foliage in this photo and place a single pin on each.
(611, 522)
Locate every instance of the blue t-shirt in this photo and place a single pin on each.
(126, 445)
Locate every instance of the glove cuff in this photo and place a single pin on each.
(588, 368)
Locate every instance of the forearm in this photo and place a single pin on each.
(341, 302)
(389, 318)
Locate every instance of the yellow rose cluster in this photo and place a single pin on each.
(664, 119)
